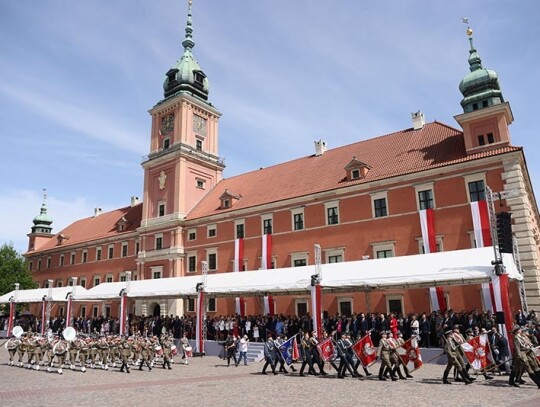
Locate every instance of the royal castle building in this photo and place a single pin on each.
(358, 202)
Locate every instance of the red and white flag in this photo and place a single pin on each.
(69, 311)
(478, 352)
(43, 317)
(268, 302)
(199, 336)
(123, 315)
(240, 308)
(316, 307)
(410, 355)
(295, 352)
(11, 318)
(427, 224)
(365, 351)
(266, 258)
(326, 349)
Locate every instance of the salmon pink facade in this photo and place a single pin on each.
(358, 202)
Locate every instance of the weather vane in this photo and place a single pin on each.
(465, 21)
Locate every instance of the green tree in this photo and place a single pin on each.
(13, 270)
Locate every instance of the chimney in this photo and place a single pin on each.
(97, 212)
(418, 120)
(134, 201)
(320, 148)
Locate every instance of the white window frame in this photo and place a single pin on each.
(156, 270)
(379, 195)
(95, 311)
(72, 258)
(156, 237)
(479, 176)
(390, 297)
(341, 300)
(124, 244)
(110, 277)
(99, 249)
(109, 247)
(84, 256)
(438, 239)
(380, 246)
(209, 251)
(189, 303)
(83, 282)
(337, 251)
(98, 278)
(299, 256)
(208, 309)
(59, 283)
(329, 205)
(298, 301)
(188, 255)
(82, 311)
(300, 211)
(424, 187)
(212, 227)
(49, 260)
(265, 217)
(239, 222)
(61, 261)
(200, 181)
(189, 232)
(122, 277)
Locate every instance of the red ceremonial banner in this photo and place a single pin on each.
(326, 349)
(410, 355)
(478, 352)
(295, 352)
(365, 351)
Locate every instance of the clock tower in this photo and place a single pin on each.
(182, 166)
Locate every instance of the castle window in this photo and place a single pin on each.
(159, 242)
(267, 226)
(192, 234)
(190, 305)
(30, 264)
(124, 249)
(198, 145)
(379, 206)
(212, 231)
(192, 264)
(48, 262)
(200, 184)
(98, 254)
(109, 278)
(161, 209)
(39, 264)
(484, 103)
(111, 252)
(477, 191)
(72, 259)
(62, 260)
(240, 231)
(97, 280)
(83, 282)
(211, 305)
(84, 256)
(425, 199)
(298, 219)
(226, 203)
(212, 261)
(490, 138)
(481, 140)
(475, 106)
(166, 143)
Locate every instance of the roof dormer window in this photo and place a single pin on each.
(228, 199)
(356, 169)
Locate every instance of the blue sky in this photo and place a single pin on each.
(78, 77)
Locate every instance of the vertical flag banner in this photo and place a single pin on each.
(238, 259)
(287, 350)
(69, 310)
(427, 224)
(11, 318)
(43, 317)
(199, 336)
(410, 355)
(316, 309)
(123, 315)
(482, 236)
(268, 302)
(266, 259)
(365, 351)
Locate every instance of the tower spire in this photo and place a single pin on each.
(42, 222)
(188, 42)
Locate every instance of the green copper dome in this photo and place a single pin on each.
(186, 75)
(480, 88)
(42, 222)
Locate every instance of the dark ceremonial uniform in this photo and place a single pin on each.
(230, 346)
(454, 360)
(270, 355)
(278, 342)
(316, 357)
(343, 346)
(307, 356)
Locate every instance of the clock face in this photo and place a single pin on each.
(199, 124)
(167, 124)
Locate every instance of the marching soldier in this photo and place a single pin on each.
(278, 342)
(125, 352)
(394, 356)
(144, 348)
(316, 357)
(522, 362)
(307, 355)
(166, 343)
(454, 359)
(343, 347)
(399, 341)
(11, 346)
(230, 346)
(384, 352)
(270, 355)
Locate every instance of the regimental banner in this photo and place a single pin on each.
(365, 351)
(287, 350)
(326, 349)
(478, 352)
(410, 355)
(199, 336)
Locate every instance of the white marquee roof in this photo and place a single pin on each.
(36, 295)
(458, 267)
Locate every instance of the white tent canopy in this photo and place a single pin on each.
(459, 267)
(59, 294)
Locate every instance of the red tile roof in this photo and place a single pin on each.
(404, 152)
(99, 227)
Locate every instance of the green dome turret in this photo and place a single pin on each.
(480, 88)
(186, 75)
(42, 222)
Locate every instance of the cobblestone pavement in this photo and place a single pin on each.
(208, 381)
